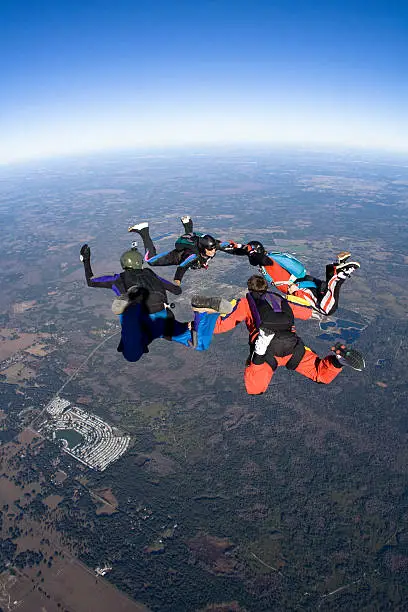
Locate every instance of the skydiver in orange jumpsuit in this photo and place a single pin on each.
(273, 340)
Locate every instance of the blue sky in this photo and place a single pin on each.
(104, 74)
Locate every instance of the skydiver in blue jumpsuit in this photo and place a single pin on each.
(141, 302)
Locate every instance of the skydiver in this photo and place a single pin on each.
(141, 301)
(192, 250)
(288, 275)
(273, 341)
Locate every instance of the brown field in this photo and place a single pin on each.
(9, 345)
(108, 496)
(105, 500)
(9, 492)
(21, 307)
(60, 476)
(18, 373)
(38, 350)
(210, 551)
(68, 585)
(52, 501)
(27, 436)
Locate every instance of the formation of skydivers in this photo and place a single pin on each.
(141, 302)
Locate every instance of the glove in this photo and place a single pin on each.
(262, 342)
(230, 245)
(235, 245)
(85, 253)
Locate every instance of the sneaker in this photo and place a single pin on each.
(202, 303)
(348, 356)
(185, 219)
(342, 257)
(138, 227)
(346, 269)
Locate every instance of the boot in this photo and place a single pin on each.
(202, 303)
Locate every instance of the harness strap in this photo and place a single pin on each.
(260, 359)
(254, 310)
(271, 361)
(274, 302)
(297, 355)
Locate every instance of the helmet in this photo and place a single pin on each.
(131, 260)
(254, 246)
(206, 242)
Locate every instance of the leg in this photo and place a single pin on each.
(203, 329)
(197, 335)
(170, 258)
(320, 370)
(329, 301)
(257, 378)
(135, 336)
(336, 274)
(143, 230)
(187, 224)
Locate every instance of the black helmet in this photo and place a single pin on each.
(254, 246)
(131, 260)
(206, 242)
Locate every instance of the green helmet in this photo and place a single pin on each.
(131, 260)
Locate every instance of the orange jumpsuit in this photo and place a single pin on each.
(258, 377)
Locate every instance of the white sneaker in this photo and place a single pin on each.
(185, 219)
(346, 269)
(138, 227)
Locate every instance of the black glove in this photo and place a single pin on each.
(85, 253)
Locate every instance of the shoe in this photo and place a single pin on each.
(185, 219)
(348, 356)
(202, 303)
(342, 257)
(346, 269)
(138, 227)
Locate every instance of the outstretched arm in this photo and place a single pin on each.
(240, 313)
(105, 282)
(184, 266)
(231, 247)
(170, 287)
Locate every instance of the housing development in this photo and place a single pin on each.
(84, 436)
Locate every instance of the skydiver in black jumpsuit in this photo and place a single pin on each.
(192, 250)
